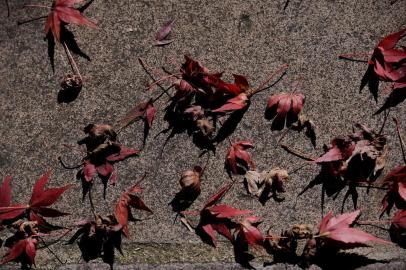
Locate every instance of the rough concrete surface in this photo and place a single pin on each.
(251, 37)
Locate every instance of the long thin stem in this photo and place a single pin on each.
(350, 55)
(163, 92)
(370, 222)
(145, 67)
(72, 62)
(297, 153)
(161, 80)
(57, 240)
(402, 144)
(31, 20)
(52, 252)
(92, 208)
(207, 162)
(374, 187)
(263, 86)
(69, 167)
(385, 118)
(38, 6)
(299, 168)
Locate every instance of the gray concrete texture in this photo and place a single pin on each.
(252, 37)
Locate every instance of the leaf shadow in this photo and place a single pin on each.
(230, 125)
(68, 38)
(183, 200)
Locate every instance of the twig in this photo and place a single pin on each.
(207, 162)
(156, 82)
(402, 144)
(375, 187)
(370, 222)
(72, 62)
(161, 94)
(50, 250)
(263, 86)
(69, 167)
(145, 67)
(37, 6)
(299, 168)
(297, 153)
(284, 133)
(349, 56)
(91, 203)
(31, 20)
(386, 114)
(57, 240)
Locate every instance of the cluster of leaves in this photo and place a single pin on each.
(241, 229)
(201, 102)
(334, 234)
(27, 221)
(350, 160)
(102, 151)
(100, 237)
(226, 220)
(62, 13)
(387, 64)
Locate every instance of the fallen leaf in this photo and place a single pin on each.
(163, 33)
(62, 11)
(284, 108)
(238, 160)
(337, 231)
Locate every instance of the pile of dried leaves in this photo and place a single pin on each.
(208, 107)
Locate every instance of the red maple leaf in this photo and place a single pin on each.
(386, 64)
(5, 192)
(103, 166)
(248, 232)
(395, 181)
(337, 231)
(38, 206)
(144, 110)
(357, 157)
(62, 11)
(399, 219)
(284, 107)
(239, 86)
(127, 201)
(233, 104)
(23, 250)
(238, 160)
(217, 217)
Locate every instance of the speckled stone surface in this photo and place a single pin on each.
(250, 37)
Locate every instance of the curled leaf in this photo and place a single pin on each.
(238, 160)
(284, 107)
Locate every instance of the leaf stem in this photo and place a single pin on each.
(37, 6)
(145, 67)
(92, 208)
(402, 144)
(69, 167)
(375, 187)
(50, 250)
(297, 153)
(72, 62)
(350, 55)
(385, 118)
(31, 20)
(370, 222)
(263, 86)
